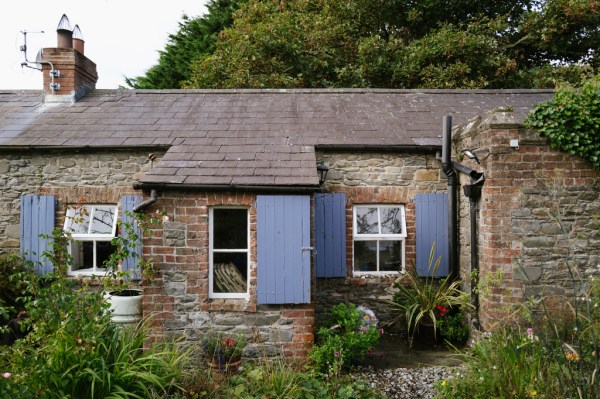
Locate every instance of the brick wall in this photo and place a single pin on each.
(178, 300)
(539, 216)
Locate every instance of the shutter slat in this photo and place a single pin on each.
(283, 230)
(128, 202)
(37, 218)
(330, 234)
(432, 227)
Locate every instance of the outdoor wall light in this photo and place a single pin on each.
(471, 155)
(322, 170)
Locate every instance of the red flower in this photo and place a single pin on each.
(442, 310)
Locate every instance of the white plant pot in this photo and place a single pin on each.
(125, 307)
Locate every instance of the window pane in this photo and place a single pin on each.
(391, 220)
(230, 272)
(390, 256)
(230, 228)
(103, 219)
(103, 251)
(83, 255)
(366, 220)
(365, 256)
(77, 220)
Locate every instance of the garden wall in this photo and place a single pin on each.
(539, 219)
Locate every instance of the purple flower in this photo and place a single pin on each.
(381, 331)
(337, 354)
(530, 331)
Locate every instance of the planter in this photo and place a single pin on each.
(427, 335)
(220, 368)
(125, 307)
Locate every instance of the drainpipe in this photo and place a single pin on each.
(449, 171)
(141, 206)
(473, 192)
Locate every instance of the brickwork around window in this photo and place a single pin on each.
(177, 301)
(375, 178)
(524, 251)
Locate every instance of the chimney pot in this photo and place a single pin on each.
(78, 42)
(64, 33)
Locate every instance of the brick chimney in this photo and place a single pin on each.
(74, 74)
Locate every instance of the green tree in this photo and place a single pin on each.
(195, 38)
(403, 43)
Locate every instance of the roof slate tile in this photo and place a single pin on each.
(252, 137)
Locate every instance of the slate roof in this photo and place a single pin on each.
(247, 137)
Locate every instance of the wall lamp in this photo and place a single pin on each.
(472, 154)
(322, 170)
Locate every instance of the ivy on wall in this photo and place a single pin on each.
(571, 120)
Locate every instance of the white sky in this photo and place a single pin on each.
(122, 37)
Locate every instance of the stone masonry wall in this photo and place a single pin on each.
(178, 300)
(375, 178)
(539, 216)
(68, 171)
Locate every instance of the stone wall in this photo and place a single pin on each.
(539, 217)
(375, 178)
(36, 171)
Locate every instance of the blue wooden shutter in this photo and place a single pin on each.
(128, 202)
(283, 241)
(330, 235)
(37, 217)
(432, 227)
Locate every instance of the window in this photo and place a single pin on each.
(92, 228)
(228, 255)
(379, 232)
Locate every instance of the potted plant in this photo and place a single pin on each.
(223, 351)
(418, 300)
(125, 300)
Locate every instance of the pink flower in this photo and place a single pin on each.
(337, 354)
(530, 331)
(7, 375)
(381, 331)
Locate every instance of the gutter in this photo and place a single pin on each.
(141, 206)
(225, 187)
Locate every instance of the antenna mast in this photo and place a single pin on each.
(53, 72)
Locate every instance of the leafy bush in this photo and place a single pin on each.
(274, 378)
(571, 120)
(345, 341)
(452, 327)
(74, 350)
(12, 271)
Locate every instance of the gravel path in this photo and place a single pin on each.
(405, 383)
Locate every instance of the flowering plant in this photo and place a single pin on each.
(223, 348)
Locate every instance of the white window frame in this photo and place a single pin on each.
(379, 237)
(211, 251)
(95, 269)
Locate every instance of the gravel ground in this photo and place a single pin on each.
(405, 383)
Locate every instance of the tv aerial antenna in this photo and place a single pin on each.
(37, 64)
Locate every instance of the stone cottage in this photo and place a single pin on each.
(281, 203)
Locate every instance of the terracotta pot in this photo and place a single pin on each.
(219, 369)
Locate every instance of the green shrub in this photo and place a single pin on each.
(12, 272)
(74, 350)
(345, 341)
(452, 327)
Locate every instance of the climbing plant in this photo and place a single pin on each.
(571, 120)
